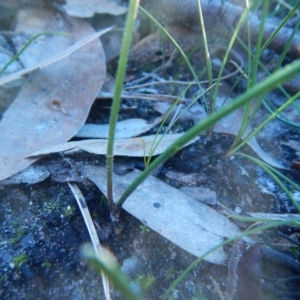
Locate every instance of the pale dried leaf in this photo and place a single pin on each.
(86, 9)
(201, 194)
(92, 231)
(31, 175)
(135, 147)
(168, 211)
(54, 58)
(54, 101)
(124, 129)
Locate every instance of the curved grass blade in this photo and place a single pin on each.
(262, 88)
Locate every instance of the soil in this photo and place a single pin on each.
(42, 231)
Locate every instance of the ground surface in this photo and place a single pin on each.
(42, 229)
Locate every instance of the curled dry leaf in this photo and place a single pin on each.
(31, 123)
(86, 9)
(135, 147)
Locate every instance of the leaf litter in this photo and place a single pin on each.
(168, 211)
(124, 129)
(87, 9)
(134, 147)
(33, 119)
(186, 208)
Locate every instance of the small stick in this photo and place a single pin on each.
(92, 231)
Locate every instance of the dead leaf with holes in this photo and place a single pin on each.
(54, 102)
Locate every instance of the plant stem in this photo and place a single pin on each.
(262, 88)
(132, 12)
(209, 69)
(228, 241)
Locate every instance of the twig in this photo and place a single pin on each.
(92, 231)
(238, 66)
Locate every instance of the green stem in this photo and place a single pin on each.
(16, 56)
(198, 260)
(265, 122)
(209, 68)
(132, 12)
(181, 52)
(262, 88)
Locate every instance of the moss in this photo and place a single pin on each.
(146, 281)
(3, 278)
(52, 206)
(144, 229)
(47, 265)
(69, 211)
(19, 260)
(170, 273)
(19, 234)
(102, 199)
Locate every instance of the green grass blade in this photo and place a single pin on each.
(273, 174)
(115, 276)
(265, 122)
(230, 45)
(247, 233)
(262, 88)
(16, 56)
(212, 101)
(132, 12)
(175, 44)
(280, 26)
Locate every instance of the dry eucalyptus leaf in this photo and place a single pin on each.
(125, 129)
(135, 147)
(86, 9)
(31, 175)
(54, 101)
(26, 60)
(9, 91)
(168, 211)
(201, 194)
